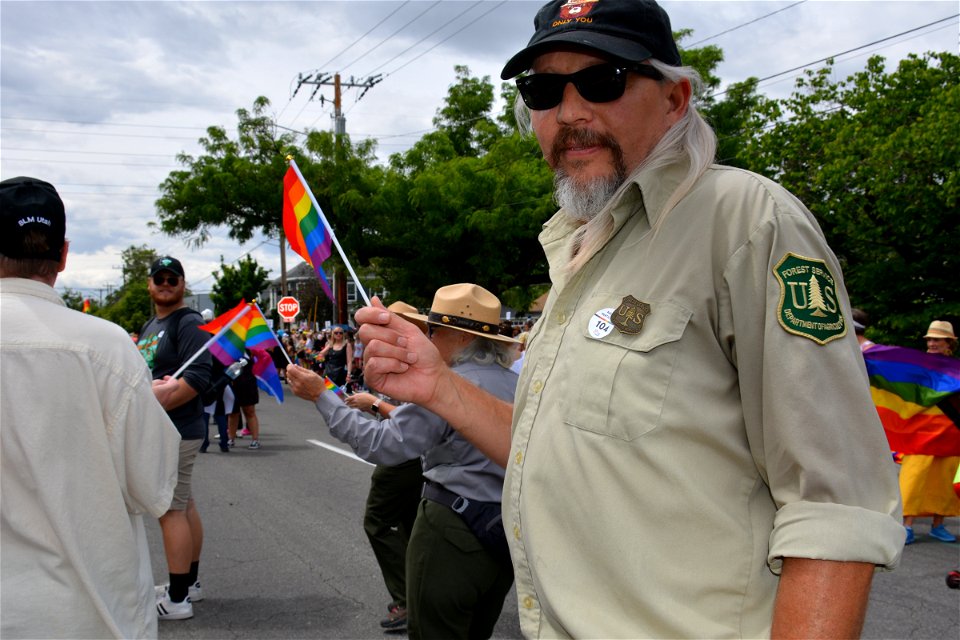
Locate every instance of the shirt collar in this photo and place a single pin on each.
(28, 287)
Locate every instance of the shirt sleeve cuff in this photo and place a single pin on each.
(824, 531)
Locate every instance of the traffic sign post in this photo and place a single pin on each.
(288, 308)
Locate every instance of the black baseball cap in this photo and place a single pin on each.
(31, 204)
(629, 30)
(166, 263)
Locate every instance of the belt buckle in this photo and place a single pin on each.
(460, 504)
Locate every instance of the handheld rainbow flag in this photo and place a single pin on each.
(304, 230)
(86, 305)
(331, 386)
(244, 330)
(266, 374)
(307, 229)
(907, 385)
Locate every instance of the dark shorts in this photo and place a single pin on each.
(246, 392)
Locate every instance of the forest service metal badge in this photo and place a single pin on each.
(629, 316)
(808, 299)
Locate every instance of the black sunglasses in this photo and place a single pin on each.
(599, 83)
(170, 280)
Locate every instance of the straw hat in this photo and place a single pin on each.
(469, 308)
(940, 329)
(409, 312)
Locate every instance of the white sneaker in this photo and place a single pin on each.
(169, 610)
(195, 592)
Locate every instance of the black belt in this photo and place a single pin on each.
(437, 493)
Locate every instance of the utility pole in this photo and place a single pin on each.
(320, 79)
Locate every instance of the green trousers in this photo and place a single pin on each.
(388, 521)
(455, 586)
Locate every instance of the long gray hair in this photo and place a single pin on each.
(485, 351)
(691, 139)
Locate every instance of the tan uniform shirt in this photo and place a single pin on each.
(657, 478)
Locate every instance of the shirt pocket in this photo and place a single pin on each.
(621, 380)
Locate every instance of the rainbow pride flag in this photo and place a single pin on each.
(907, 386)
(331, 386)
(266, 374)
(244, 330)
(86, 305)
(304, 227)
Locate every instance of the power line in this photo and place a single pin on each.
(369, 31)
(842, 53)
(97, 133)
(376, 46)
(453, 19)
(740, 26)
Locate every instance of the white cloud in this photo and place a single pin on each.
(100, 97)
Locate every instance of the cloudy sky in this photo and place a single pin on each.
(98, 98)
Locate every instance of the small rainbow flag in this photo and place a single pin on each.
(86, 305)
(907, 386)
(329, 384)
(304, 227)
(248, 331)
(266, 374)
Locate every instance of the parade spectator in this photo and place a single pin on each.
(694, 451)
(218, 403)
(392, 501)
(860, 323)
(168, 340)
(337, 357)
(85, 449)
(458, 568)
(926, 482)
(246, 397)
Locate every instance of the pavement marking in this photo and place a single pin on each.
(342, 452)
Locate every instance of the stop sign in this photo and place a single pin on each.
(288, 307)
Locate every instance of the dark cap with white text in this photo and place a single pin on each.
(32, 221)
(628, 30)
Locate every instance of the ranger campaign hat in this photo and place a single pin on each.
(467, 307)
(166, 263)
(29, 204)
(409, 312)
(628, 30)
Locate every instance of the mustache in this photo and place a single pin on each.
(568, 137)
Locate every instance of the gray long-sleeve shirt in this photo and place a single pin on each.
(411, 431)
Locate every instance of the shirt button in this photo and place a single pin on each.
(519, 457)
(528, 602)
(537, 386)
(516, 532)
(561, 317)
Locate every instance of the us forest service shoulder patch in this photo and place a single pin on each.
(808, 299)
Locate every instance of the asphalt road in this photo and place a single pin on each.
(285, 555)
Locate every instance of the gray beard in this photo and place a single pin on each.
(582, 202)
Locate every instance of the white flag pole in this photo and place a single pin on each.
(279, 344)
(211, 341)
(333, 236)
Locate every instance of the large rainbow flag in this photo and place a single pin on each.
(907, 386)
(249, 331)
(304, 227)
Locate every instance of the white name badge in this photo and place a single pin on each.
(600, 325)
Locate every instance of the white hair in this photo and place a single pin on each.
(485, 351)
(690, 139)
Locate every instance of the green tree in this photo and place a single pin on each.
(130, 305)
(232, 284)
(237, 184)
(875, 158)
(73, 299)
(448, 213)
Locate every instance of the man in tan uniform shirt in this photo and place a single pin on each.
(694, 450)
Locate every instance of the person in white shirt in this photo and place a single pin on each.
(85, 448)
